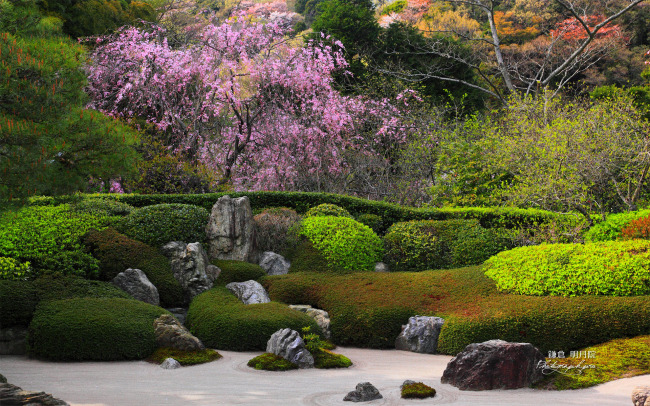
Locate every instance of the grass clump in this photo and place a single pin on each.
(417, 390)
(184, 358)
(616, 268)
(271, 362)
(237, 271)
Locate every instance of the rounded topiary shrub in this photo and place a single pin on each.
(611, 228)
(117, 252)
(429, 244)
(346, 244)
(237, 271)
(161, 223)
(18, 300)
(272, 229)
(327, 209)
(616, 268)
(93, 329)
(223, 322)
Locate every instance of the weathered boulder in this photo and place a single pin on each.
(381, 267)
(135, 283)
(12, 395)
(3, 379)
(12, 340)
(321, 317)
(191, 267)
(230, 229)
(420, 334)
(170, 333)
(364, 392)
(170, 363)
(494, 364)
(274, 264)
(641, 396)
(288, 344)
(249, 292)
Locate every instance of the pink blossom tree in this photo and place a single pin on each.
(255, 109)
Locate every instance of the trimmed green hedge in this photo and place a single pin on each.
(327, 209)
(346, 244)
(616, 268)
(237, 271)
(102, 207)
(611, 228)
(162, 223)
(93, 329)
(422, 245)
(117, 252)
(222, 321)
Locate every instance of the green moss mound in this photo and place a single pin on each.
(326, 359)
(611, 228)
(417, 390)
(271, 362)
(222, 321)
(616, 268)
(102, 207)
(421, 245)
(93, 329)
(117, 252)
(161, 223)
(327, 209)
(19, 299)
(346, 244)
(184, 358)
(237, 271)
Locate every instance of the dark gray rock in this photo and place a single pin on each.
(191, 267)
(12, 340)
(179, 312)
(170, 363)
(170, 333)
(249, 292)
(641, 396)
(364, 392)
(12, 395)
(288, 344)
(381, 267)
(420, 334)
(230, 230)
(135, 283)
(494, 364)
(274, 264)
(321, 317)
(3, 379)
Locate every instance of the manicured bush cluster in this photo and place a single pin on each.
(117, 252)
(102, 207)
(93, 329)
(49, 239)
(421, 245)
(638, 228)
(161, 223)
(371, 220)
(346, 244)
(327, 209)
(611, 228)
(222, 321)
(237, 271)
(184, 358)
(617, 268)
(272, 227)
(417, 390)
(13, 269)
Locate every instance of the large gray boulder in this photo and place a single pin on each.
(420, 334)
(249, 292)
(274, 264)
(135, 283)
(191, 267)
(494, 364)
(12, 340)
(641, 396)
(321, 317)
(12, 395)
(364, 392)
(230, 230)
(170, 333)
(288, 344)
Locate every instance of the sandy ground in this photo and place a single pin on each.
(229, 381)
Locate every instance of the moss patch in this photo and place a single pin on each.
(184, 357)
(325, 359)
(237, 271)
(271, 362)
(417, 390)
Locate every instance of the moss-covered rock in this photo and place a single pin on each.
(417, 390)
(271, 362)
(184, 358)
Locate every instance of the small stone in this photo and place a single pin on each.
(381, 267)
(274, 264)
(135, 283)
(170, 363)
(641, 396)
(249, 292)
(288, 344)
(364, 392)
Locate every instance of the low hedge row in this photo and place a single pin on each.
(237, 271)
(489, 217)
(368, 309)
(616, 268)
(98, 329)
(222, 321)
